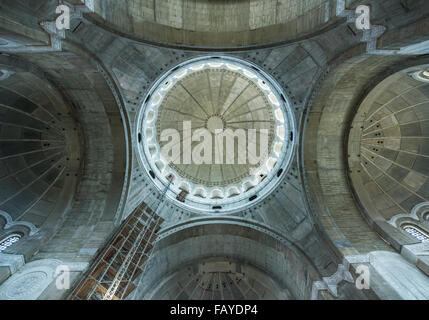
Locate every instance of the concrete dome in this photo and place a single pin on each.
(211, 23)
(389, 146)
(218, 279)
(220, 127)
(346, 177)
(38, 149)
(229, 100)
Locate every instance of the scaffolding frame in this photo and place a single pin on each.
(121, 261)
(113, 272)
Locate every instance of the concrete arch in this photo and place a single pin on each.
(285, 265)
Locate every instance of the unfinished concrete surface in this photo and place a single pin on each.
(211, 24)
(76, 96)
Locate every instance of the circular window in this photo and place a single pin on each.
(222, 128)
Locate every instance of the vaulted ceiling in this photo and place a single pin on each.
(215, 23)
(70, 108)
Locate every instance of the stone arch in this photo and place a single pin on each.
(325, 153)
(283, 263)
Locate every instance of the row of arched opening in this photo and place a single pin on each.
(416, 232)
(9, 240)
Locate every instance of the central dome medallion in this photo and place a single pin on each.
(220, 127)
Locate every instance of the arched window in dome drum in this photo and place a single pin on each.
(9, 241)
(416, 232)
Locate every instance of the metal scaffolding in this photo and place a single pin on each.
(113, 272)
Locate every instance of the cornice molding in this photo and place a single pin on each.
(332, 282)
(10, 223)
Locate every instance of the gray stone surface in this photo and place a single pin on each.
(98, 76)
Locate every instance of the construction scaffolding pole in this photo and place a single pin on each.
(126, 264)
(123, 259)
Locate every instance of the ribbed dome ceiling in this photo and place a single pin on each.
(216, 99)
(389, 146)
(219, 280)
(34, 151)
(221, 127)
